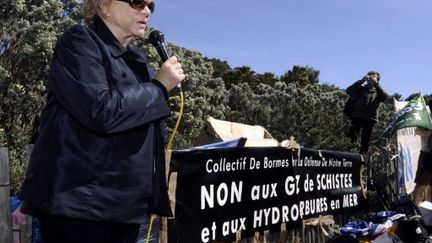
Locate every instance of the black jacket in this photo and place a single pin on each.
(100, 151)
(367, 100)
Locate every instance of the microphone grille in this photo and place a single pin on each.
(156, 37)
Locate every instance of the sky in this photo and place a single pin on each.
(343, 39)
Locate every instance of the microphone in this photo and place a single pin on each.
(157, 39)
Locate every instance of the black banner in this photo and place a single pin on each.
(224, 193)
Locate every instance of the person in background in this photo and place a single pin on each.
(423, 178)
(368, 94)
(97, 169)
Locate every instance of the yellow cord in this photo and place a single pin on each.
(153, 216)
(171, 139)
(168, 148)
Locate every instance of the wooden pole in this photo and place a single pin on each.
(26, 230)
(5, 209)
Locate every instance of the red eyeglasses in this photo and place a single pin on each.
(140, 4)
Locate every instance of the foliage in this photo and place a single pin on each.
(301, 75)
(29, 32)
(239, 75)
(310, 114)
(412, 96)
(220, 67)
(397, 96)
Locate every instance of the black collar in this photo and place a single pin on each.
(99, 27)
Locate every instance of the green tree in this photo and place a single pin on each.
(243, 74)
(301, 75)
(397, 96)
(267, 78)
(29, 30)
(412, 96)
(220, 67)
(428, 98)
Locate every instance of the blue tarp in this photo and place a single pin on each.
(15, 202)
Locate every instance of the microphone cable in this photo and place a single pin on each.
(168, 149)
(174, 132)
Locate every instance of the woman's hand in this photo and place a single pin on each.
(171, 73)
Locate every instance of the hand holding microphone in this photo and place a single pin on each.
(171, 73)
